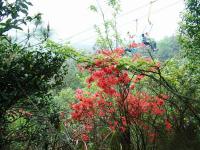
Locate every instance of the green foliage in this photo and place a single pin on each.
(66, 51)
(28, 113)
(93, 8)
(183, 75)
(168, 48)
(25, 73)
(108, 35)
(190, 36)
(64, 97)
(30, 130)
(113, 144)
(38, 78)
(13, 14)
(184, 107)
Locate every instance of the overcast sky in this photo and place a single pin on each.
(68, 18)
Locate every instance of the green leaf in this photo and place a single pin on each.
(93, 8)
(115, 141)
(29, 3)
(16, 27)
(24, 6)
(24, 11)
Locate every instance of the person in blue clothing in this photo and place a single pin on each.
(131, 50)
(149, 42)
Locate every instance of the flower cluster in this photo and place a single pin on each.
(116, 104)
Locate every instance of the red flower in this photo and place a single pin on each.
(165, 97)
(124, 123)
(113, 95)
(98, 62)
(85, 137)
(75, 116)
(101, 113)
(90, 79)
(133, 45)
(168, 125)
(132, 86)
(157, 111)
(152, 137)
(88, 127)
(79, 93)
(112, 128)
(81, 68)
(122, 129)
(138, 78)
(160, 101)
(119, 51)
(111, 110)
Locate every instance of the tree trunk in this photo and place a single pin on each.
(126, 140)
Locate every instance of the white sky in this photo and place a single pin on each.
(67, 18)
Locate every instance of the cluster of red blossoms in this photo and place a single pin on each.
(136, 45)
(116, 104)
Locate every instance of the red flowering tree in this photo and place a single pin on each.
(116, 106)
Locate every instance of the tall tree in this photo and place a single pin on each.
(190, 37)
(27, 73)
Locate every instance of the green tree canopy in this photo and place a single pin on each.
(190, 36)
